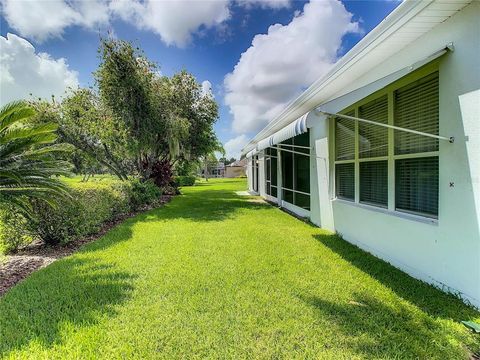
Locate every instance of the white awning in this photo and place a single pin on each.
(340, 103)
(297, 127)
(265, 143)
(250, 154)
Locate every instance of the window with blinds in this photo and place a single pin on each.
(416, 108)
(374, 183)
(416, 185)
(373, 139)
(412, 158)
(345, 181)
(345, 138)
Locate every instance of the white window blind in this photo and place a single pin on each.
(416, 185)
(374, 182)
(345, 181)
(345, 139)
(416, 108)
(412, 158)
(373, 141)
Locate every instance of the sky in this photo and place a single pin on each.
(254, 55)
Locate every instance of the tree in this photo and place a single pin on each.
(27, 159)
(89, 126)
(165, 119)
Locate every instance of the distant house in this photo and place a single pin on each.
(236, 169)
(385, 148)
(214, 170)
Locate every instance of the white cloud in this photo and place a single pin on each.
(274, 4)
(40, 20)
(280, 64)
(26, 72)
(207, 88)
(234, 146)
(173, 21)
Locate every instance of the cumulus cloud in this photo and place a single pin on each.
(40, 20)
(279, 65)
(173, 21)
(234, 146)
(26, 72)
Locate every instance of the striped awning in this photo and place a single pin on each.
(297, 127)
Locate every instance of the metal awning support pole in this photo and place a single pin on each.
(296, 152)
(450, 139)
(295, 146)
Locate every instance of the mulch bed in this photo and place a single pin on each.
(37, 255)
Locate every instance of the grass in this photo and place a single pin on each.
(215, 275)
(102, 178)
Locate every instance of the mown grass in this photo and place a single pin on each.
(214, 275)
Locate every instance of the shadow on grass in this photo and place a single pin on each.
(78, 291)
(69, 292)
(427, 298)
(389, 330)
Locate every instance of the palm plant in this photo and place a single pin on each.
(27, 161)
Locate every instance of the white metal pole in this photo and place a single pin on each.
(450, 139)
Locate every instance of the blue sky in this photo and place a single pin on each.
(206, 38)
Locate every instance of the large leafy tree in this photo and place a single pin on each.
(166, 119)
(28, 162)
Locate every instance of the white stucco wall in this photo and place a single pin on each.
(444, 252)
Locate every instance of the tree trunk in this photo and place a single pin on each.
(206, 170)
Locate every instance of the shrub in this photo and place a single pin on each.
(184, 180)
(91, 205)
(13, 230)
(143, 193)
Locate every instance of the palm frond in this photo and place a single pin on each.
(28, 167)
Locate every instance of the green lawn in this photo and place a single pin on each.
(216, 275)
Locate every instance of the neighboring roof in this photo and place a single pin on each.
(404, 25)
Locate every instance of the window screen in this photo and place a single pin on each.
(295, 171)
(302, 173)
(416, 108)
(344, 138)
(416, 185)
(345, 181)
(373, 139)
(374, 182)
(287, 169)
(273, 164)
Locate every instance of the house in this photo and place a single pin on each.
(385, 148)
(214, 170)
(236, 169)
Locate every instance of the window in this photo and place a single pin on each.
(364, 152)
(416, 156)
(345, 181)
(374, 183)
(373, 153)
(296, 171)
(271, 172)
(345, 158)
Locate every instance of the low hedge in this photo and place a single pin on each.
(91, 205)
(185, 180)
